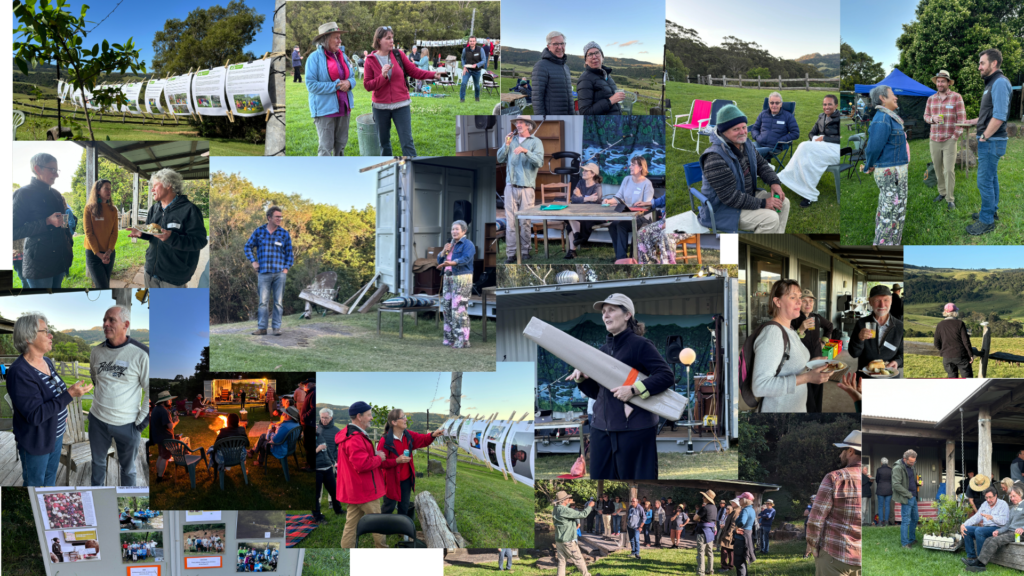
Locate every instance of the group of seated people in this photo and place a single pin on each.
(256, 560)
(993, 526)
(134, 520)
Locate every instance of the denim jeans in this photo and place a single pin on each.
(41, 470)
(44, 283)
(99, 271)
(402, 117)
(634, 541)
(475, 73)
(506, 556)
(616, 524)
(908, 522)
(974, 540)
(884, 502)
(765, 532)
(126, 437)
(989, 154)
(271, 282)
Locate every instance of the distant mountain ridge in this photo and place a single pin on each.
(827, 64)
(95, 335)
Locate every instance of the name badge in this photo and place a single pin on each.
(173, 225)
(100, 219)
(780, 121)
(890, 346)
(949, 106)
(121, 363)
(277, 243)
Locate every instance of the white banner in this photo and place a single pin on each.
(208, 92)
(460, 42)
(177, 91)
(90, 103)
(154, 105)
(248, 88)
(131, 92)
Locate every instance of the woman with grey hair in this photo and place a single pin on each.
(40, 400)
(597, 91)
(38, 217)
(954, 343)
(456, 261)
(883, 493)
(330, 78)
(887, 156)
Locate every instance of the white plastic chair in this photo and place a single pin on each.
(19, 119)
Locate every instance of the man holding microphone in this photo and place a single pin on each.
(524, 155)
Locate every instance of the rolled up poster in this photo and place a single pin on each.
(602, 368)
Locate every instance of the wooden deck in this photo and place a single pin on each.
(10, 468)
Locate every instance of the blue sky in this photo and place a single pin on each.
(65, 310)
(509, 388)
(872, 26)
(335, 180)
(965, 257)
(181, 329)
(141, 20)
(68, 155)
(786, 30)
(624, 30)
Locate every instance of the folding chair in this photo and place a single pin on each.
(698, 117)
(290, 440)
(694, 174)
(388, 524)
(783, 149)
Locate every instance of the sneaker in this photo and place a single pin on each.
(978, 228)
(976, 216)
(805, 203)
(977, 567)
(939, 198)
(951, 205)
(968, 561)
(260, 333)
(277, 331)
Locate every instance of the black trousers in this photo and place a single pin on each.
(740, 555)
(403, 505)
(955, 365)
(298, 74)
(630, 455)
(309, 443)
(814, 394)
(98, 271)
(326, 479)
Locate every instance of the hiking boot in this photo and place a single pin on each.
(939, 198)
(277, 331)
(260, 333)
(978, 228)
(570, 254)
(976, 216)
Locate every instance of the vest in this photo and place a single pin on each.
(726, 217)
(985, 111)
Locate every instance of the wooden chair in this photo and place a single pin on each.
(76, 452)
(7, 398)
(232, 451)
(290, 440)
(185, 456)
(685, 256)
(558, 192)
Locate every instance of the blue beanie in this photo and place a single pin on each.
(358, 408)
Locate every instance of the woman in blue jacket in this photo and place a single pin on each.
(329, 80)
(456, 260)
(887, 157)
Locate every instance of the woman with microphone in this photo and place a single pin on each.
(456, 263)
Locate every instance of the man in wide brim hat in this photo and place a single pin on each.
(164, 397)
(833, 526)
(524, 118)
(325, 30)
(943, 111)
(943, 74)
(980, 483)
(523, 157)
(566, 519)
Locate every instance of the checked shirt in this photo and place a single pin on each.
(273, 251)
(834, 523)
(952, 109)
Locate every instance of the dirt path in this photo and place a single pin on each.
(290, 337)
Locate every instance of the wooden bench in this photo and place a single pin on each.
(76, 452)
(1011, 556)
(401, 317)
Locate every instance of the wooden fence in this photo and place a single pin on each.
(68, 112)
(650, 95)
(773, 83)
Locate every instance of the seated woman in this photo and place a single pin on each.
(232, 429)
(276, 434)
(655, 245)
(635, 191)
(588, 191)
(811, 158)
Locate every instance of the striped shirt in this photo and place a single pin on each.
(57, 387)
(834, 523)
(273, 250)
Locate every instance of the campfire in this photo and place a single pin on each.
(219, 422)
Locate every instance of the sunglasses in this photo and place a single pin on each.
(387, 28)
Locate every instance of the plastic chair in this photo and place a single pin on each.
(290, 440)
(837, 169)
(232, 450)
(184, 456)
(388, 524)
(19, 119)
(698, 117)
(783, 149)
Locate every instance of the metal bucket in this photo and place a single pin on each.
(366, 129)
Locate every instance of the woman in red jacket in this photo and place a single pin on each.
(397, 445)
(385, 74)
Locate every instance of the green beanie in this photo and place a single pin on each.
(728, 117)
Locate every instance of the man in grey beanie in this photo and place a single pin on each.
(552, 82)
(596, 89)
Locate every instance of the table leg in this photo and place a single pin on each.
(484, 295)
(417, 319)
(401, 323)
(636, 243)
(379, 314)
(545, 239)
(515, 236)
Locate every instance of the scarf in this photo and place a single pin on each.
(890, 113)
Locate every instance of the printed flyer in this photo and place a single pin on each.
(248, 88)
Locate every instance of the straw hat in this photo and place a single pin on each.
(980, 482)
(943, 74)
(324, 30)
(527, 119)
(709, 495)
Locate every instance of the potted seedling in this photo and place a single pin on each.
(943, 533)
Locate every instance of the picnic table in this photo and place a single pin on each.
(510, 97)
(401, 316)
(586, 211)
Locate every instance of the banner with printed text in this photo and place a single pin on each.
(248, 88)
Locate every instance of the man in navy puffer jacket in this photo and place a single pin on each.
(773, 126)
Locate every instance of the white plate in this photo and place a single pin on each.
(865, 372)
(815, 364)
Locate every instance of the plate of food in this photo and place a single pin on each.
(831, 365)
(152, 228)
(877, 369)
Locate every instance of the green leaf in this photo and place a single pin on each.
(106, 46)
(22, 65)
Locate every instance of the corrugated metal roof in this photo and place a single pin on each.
(987, 394)
(634, 288)
(891, 419)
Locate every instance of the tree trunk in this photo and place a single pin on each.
(275, 125)
(454, 409)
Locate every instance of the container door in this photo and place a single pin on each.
(460, 187)
(429, 228)
(388, 227)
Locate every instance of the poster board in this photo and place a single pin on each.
(248, 88)
(177, 94)
(153, 102)
(208, 92)
(132, 92)
(492, 443)
(63, 510)
(521, 452)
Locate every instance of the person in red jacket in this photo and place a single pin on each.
(360, 481)
(397, 444)
(385, 75)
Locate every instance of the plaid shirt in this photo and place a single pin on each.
(834, 523)
(952, 108)
(273, 251)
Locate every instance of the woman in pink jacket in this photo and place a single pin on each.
(385, 75)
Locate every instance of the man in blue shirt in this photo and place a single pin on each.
(765, 518)
(991, 132)
(774, 125)
(272, 259)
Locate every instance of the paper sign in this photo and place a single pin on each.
(133, 489)
(132, 92)
(143, 571)
(80, 535)
(208, 92)
(203, 562)
(248, 88)
(154, 104)
(266, 534)
(197, 515)
(177, 95)
(520, 452)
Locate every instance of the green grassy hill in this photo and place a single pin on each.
(979, 294)
(94, 335)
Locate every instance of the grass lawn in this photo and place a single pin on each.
(929, 222)
(326, 562)
(921, 366)
(490, 510)
(671, 465)
(22, 556)
(882, 554)
(822, 217)
(349, 343)
(785, 558)
(433, 121)
(594, 253)
(35, 129)
(266, 485)
(129, 258)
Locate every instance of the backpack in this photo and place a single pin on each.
(747, 365)
(398, 56)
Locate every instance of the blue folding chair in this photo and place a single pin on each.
(694, 174)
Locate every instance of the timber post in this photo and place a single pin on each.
(454, 409)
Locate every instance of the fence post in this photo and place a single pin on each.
(780, 81)
(758, 81)
(75, 368)
(807, 82)
(740, 80)
(724, 81)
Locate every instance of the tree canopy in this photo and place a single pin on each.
(857, 68)
(206, 38)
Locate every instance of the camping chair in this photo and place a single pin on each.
(388, 524)
(488, 82)
(698, 117)
(783, 149)
(856, 153)
(232, 449)
(694, 174)
(290, 440)
(184, 456)
(838, 169)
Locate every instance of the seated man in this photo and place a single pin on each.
(993, 515)
(232, 429)
(886, 344)
(731, 167)
(1002, 536)
(812, 158)
(773, 126)
(277, 433)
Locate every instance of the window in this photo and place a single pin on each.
(765, 270)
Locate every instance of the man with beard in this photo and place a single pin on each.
(991, 132)
(944, 110)
(813, 329)
(833, 527)
(552, 82)
(886, 343)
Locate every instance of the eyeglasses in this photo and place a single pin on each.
(558, 44)
(774, 103)
(55, 171)
(592, 54)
